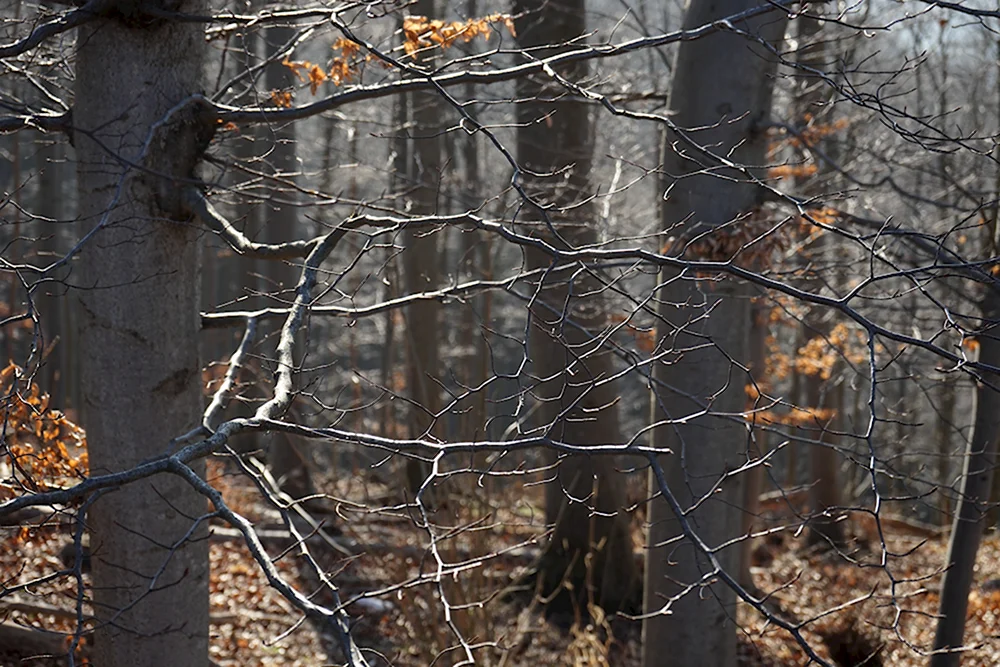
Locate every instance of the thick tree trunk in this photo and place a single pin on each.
(590, 549)
(400, 158)
(994, 515)
(139, 328)
(476, 266)
(722, 83)
(421, 270)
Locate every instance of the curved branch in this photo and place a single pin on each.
(89, 12)
(229, 319)
(214, 411)
(198, 206)
(283, 387)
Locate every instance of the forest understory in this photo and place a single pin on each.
(853, 609)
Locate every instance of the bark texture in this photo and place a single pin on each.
(421, 269)
(758, 443)
(825, 528)
(722, 84)
(590, 552)
(139, 331)
(973, 503)
(51, 175)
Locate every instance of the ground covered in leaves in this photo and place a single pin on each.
(872, 605)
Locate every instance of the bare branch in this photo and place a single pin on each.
(200, 207)
(360, 93)
(46, 122)
(214, 410)
(89, 12)
(333, 618)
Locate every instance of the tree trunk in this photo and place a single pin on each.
(240, 274)
(139, 327)
(476, 266)
(945, 424)
(722, 83)
(400, 158)
(825, 528)
(994, 515)
(973, 501)
(420, 266)
(47, 300)
(590, 548)
(973, 509)
(759, 331)
(824, 461)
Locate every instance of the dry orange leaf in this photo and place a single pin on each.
(281, 98)
(419, 32)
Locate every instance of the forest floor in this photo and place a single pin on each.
(853, 609)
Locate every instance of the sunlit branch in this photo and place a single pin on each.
(213, 412)
(337, 620)
(283, 385)
(229, 114)
(200, 207)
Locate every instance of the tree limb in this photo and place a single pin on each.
(89, 12)
(198, 205)
(236, 115)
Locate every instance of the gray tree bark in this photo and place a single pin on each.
(722, 83)
(754, 485)
(824, 460)
(973, 502)
(943, 426)
(421, 271)
(50, 307)
(139, 330)
(590, 548)
(972, 513)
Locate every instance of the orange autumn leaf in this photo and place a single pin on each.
(792, 171)
(297, 67)
(41, 441)
(824, 216)
(420, 32)
(347, 48)
(342, 68)
(799, 417)
(819, 355)
(340, 71)
(280, 98)
(307, 72)
(316, 77)
(814, 132)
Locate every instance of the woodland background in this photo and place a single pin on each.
(596, 333)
